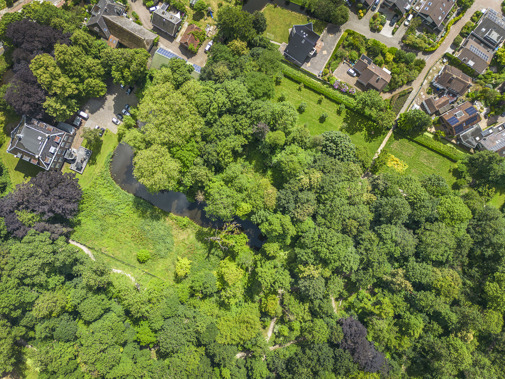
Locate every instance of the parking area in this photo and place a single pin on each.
(103, 109)
(341, 74)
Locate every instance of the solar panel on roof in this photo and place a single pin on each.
(197, 68)
(168, 54)
(471, 110)
(471, 120)
(458, 129)
(479, 53)
(452, 121)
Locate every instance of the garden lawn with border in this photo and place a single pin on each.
(335, 119)
(280, 20)
(421, 161)
(19, 170)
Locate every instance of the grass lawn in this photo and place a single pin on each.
(97, 161)
(498, 199)
(120, 224)
(280, 20)
(421, 161)
(19, 170)
(335, 120)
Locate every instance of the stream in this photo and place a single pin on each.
(121, 169)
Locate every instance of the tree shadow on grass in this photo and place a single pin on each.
(356, 123)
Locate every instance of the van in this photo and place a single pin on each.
(407, 21)
(83, 115)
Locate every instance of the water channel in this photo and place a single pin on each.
(121, 169)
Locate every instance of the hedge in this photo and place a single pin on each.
(447, 30)
(449, 152)
(318, 86)
(454, 61)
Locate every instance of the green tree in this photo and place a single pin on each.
(156, 169)
(371, 104)
(414, 121)
(495, 292)
(126, 66)
(453, 211)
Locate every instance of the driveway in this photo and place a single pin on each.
(166, 41)
(101, 110)
(341, 74)
(329, 38)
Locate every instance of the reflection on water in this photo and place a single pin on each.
(121, 169)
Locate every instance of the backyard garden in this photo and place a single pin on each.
(280, 21)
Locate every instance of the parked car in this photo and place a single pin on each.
(407, 21)
(209, 45)
(122, 86)
(352, 72)
(77, 122)
(393, 20)
(120, 116)
(115, 121)
(348, 3)
(127, 107)
(125, 112)
(83, 115)
(129, 90)
(375, 5)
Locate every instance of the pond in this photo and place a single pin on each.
(257, 5)
(121, 169)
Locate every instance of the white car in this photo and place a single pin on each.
(125, 112)
(209, 45)
(115, 121)
(352, 72)
(407, 21)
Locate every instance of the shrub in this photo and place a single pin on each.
(300, 86)
(149, 4)
(323, 117)
(320, 99)
(143, 256)
(135, 15)
(282, 97)
(302, 107)
(457, 41)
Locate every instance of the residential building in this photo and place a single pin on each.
(452, 80)
(435, 12)
(166, 21)
(435, 106)
(398, 6)
(39, 143)
(475, 55)
(109, 22)
(492, 139)
(490, 31)
(189, 39)
(460, 118)
(303, 42)
(371, 76)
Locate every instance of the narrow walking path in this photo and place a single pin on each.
(88, 252)
(271, 328)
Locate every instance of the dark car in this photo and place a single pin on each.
(119, 116)
(393, 20)
(375, 5)
(129, 90)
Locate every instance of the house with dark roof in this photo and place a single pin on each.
(108, 19)
(475, 55)
(435, 12)
(452, 80)
(39, 143)
(398, 6)
(490, 31)
(459, 119)
(166, 21)
(189, 39)
(371, 76)
(302, 43)
(434, 106)
(492, 139)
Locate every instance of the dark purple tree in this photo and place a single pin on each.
(46, 203)
(362, 351)
(25, 95)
